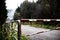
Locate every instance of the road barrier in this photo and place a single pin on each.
(27, 20)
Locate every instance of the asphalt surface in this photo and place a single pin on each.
(51, 35)
(33, 33)
(28, 30)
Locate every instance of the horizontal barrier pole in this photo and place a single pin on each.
(40, 20)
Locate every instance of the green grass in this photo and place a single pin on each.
(40, 25)
(44, 26)
(23, 38)
(25, 23)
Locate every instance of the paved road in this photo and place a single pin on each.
(51, 35)
(40, 33)
(28, 30)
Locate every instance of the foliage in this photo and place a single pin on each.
(48, 25)
(55, 8)
(42, 9)
(30, 10)
(3, 16)
(3, 12)
(18, 10)
(8, 32)
(44, 26)
(45, 13)
(25, 23)
(13, 32)
(23, 38)
(27, 9)
(16, 16)
(5, 34)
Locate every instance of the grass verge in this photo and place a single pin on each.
(44, 26)
(39, 25)
(23, 38)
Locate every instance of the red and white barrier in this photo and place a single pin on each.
(40, 19)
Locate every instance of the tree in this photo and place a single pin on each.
(45, 12)
(17, 14)
(3, 16)
(18, 10)
(30, 10)
(54, 8)
(3, 12)
(25, 10)
(42, 9)
(51, 9)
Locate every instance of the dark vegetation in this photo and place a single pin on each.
(3, 16)
(3, 12)
(17, 14)
(42, 9)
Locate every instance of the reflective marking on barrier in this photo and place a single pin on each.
(57, 19)
(32, 19)
(46, 19)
